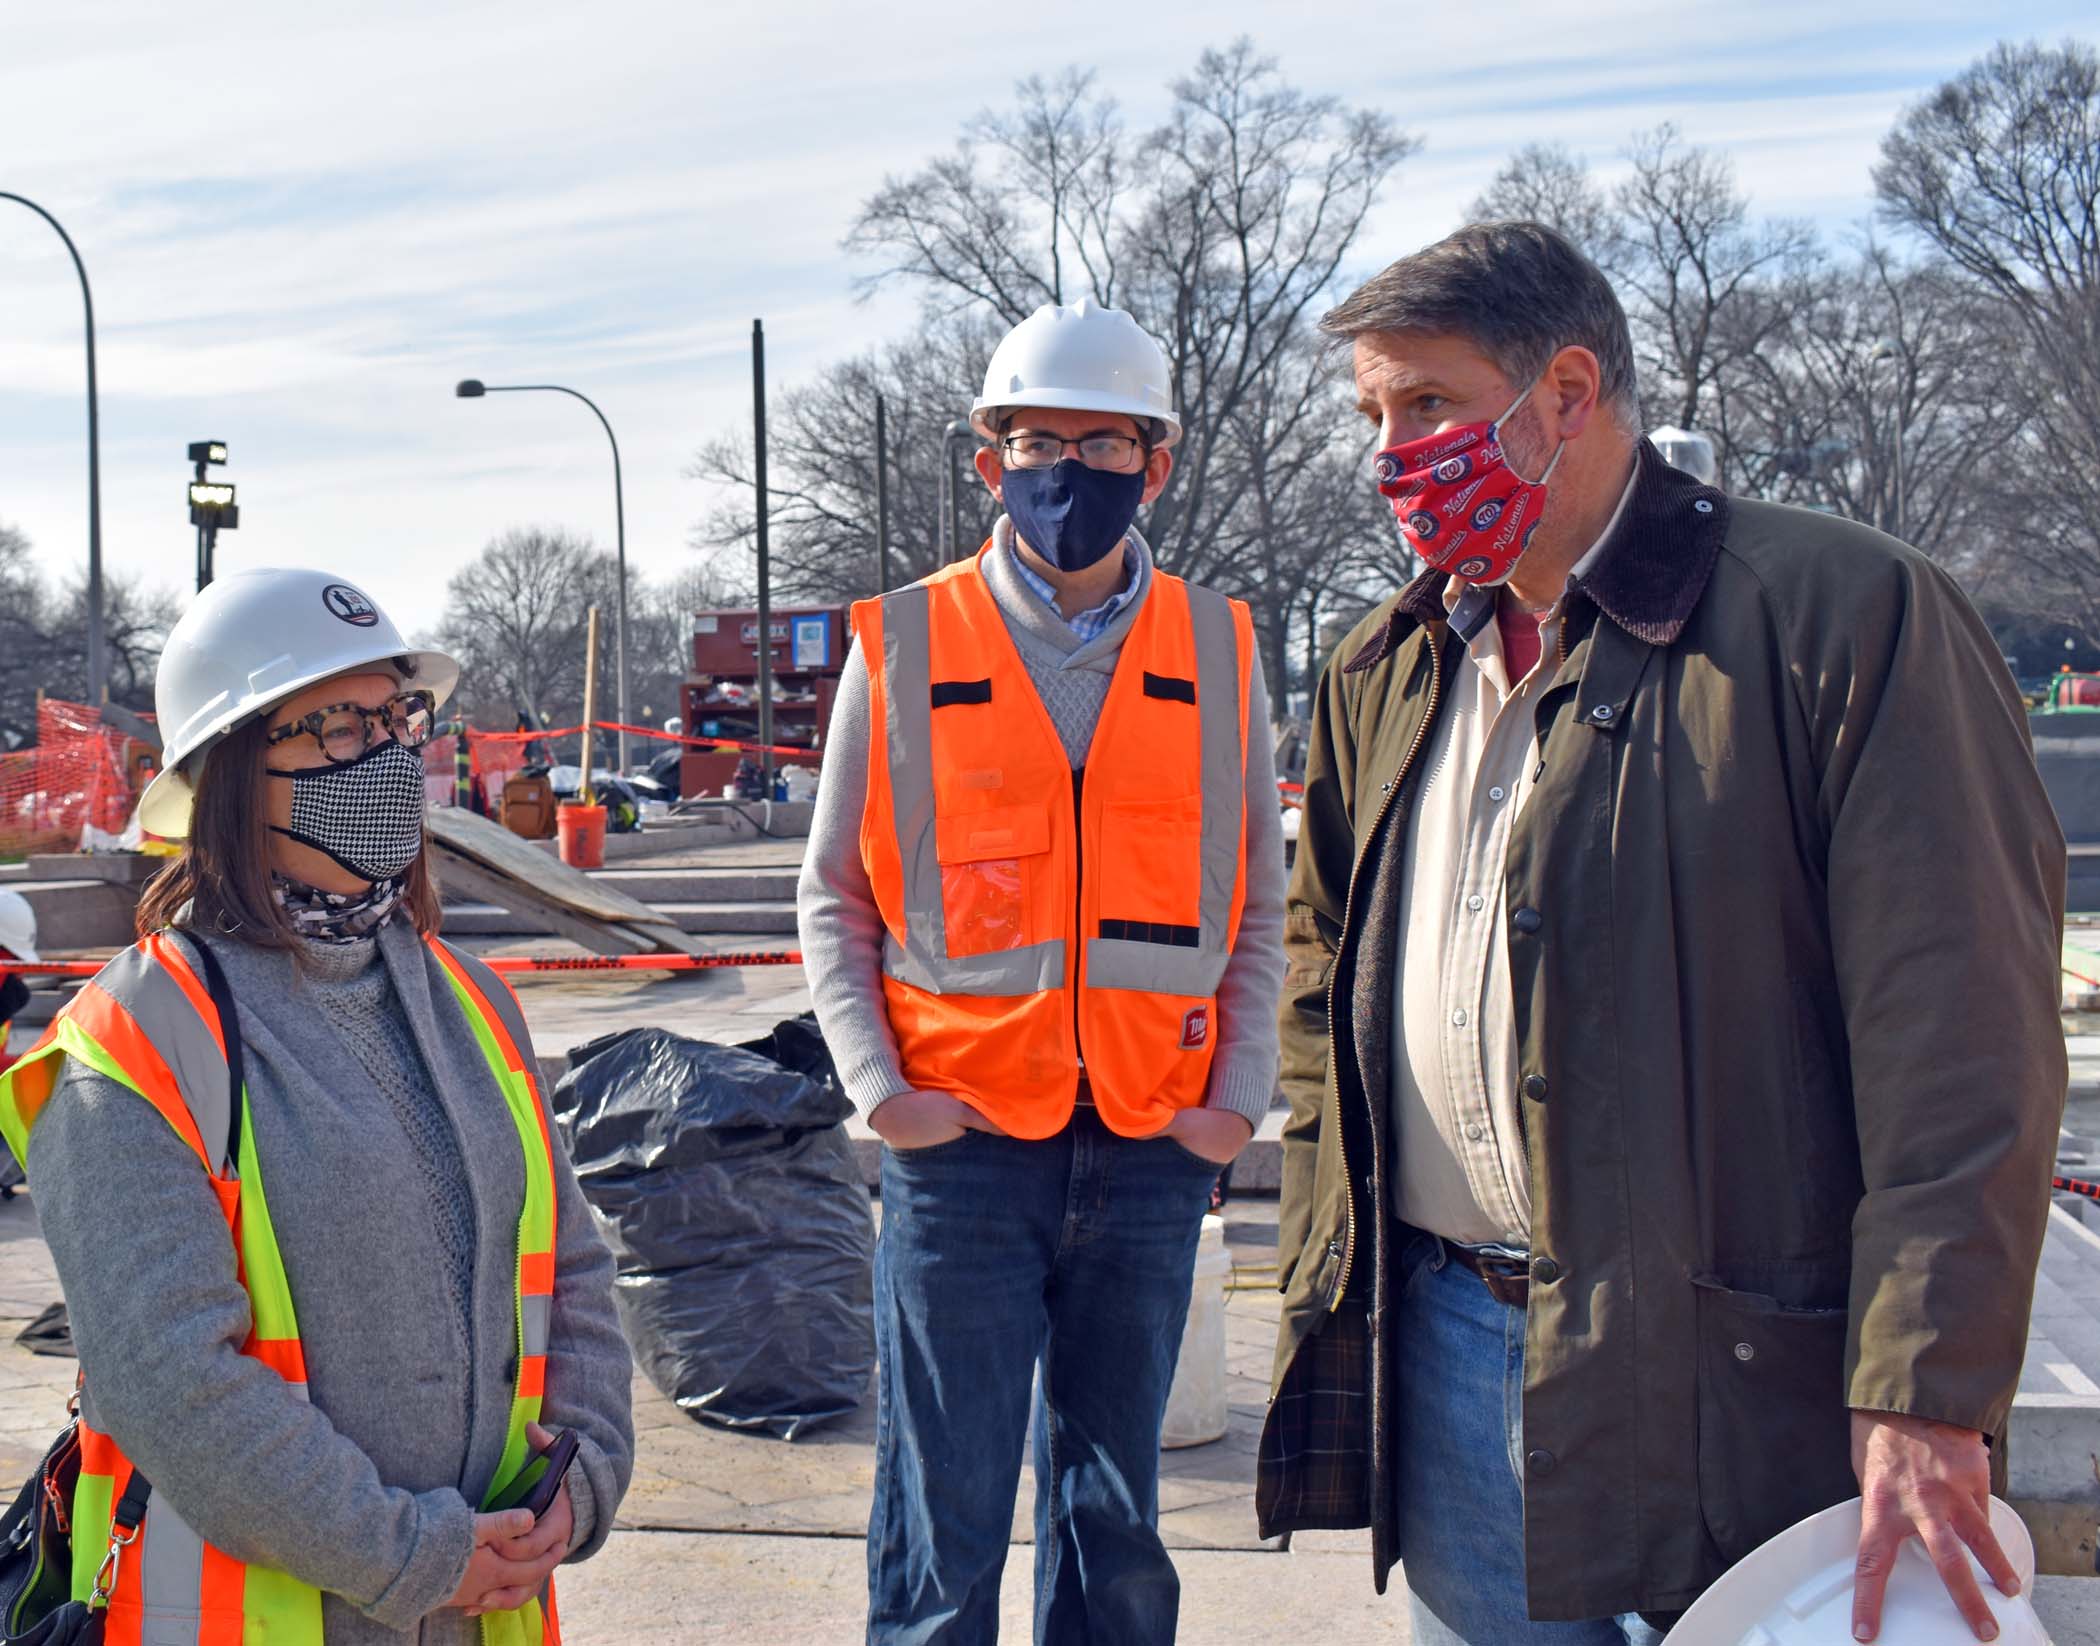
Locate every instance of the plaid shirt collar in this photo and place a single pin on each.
(1090, 624)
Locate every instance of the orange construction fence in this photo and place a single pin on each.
(80, 775)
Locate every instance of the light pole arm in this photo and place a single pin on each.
(98, 673)
(619, 527)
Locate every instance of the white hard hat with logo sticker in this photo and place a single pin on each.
(1796, 1590)
(248, 642)
(1079, 357)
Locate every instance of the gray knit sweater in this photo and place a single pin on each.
(841, 927)
(395, 1183)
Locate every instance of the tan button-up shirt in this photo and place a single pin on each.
(1458, 1130)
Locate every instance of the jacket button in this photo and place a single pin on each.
(1527, 920)
(1539, 1462)
(1744, 1351)
(1602, 713)
(1535, 1087)
(1334, 1247)
(1545, 1271)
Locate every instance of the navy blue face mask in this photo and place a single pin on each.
(1070, 514)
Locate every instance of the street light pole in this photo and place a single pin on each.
(97, 662)
(882, 499)
(957, 430)
(474, 389)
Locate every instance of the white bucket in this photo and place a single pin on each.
(1196, 1412)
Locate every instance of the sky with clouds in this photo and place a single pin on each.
(303, 224)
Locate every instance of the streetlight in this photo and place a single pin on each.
(957, 430)
(1891, 351)
(98, 668)
(473, 388)
(212, 506)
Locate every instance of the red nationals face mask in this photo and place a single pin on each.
(1459, 504)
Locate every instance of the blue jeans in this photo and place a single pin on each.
(1000, 1260)
(1462, 1465)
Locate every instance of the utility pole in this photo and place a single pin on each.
(765, 569)
(882, 499)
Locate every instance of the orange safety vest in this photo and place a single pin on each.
(148, 1021)
(1041, 920)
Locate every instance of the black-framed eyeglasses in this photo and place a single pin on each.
(344, 730)
(1032, 450)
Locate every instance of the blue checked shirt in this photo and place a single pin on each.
(1090, 624)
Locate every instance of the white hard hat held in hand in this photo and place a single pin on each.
(248, 642)
(1796, 1590)
(1079, 357)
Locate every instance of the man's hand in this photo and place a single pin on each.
(1931, 1481)
(1217, 1135)
(919, 1120)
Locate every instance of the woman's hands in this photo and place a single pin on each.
(513, 1553)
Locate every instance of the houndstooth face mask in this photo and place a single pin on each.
(366, 815)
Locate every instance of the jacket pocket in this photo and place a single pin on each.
(1775, 1436)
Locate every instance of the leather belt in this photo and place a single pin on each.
(1508, 1279)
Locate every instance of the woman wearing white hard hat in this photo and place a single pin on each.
(316, 1417)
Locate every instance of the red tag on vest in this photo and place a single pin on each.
(1195, 1028)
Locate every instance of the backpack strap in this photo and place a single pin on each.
(230, 1031)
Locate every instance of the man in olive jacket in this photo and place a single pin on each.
(1671, 1027)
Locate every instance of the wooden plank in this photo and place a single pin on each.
(470, 835)
(461, 874)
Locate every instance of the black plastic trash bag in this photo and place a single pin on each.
(726, 1187)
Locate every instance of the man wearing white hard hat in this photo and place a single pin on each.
(1042, 916)
(315, 1412)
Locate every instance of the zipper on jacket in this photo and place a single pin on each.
(1078, 905)
(1436, 683)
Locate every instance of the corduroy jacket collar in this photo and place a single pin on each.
(1649, 577)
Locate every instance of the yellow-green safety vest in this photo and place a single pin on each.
(148, 1022)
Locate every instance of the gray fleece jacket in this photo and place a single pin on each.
(367, 1492)
(841, 927)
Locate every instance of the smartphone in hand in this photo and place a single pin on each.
(541, 1477)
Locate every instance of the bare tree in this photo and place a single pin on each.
(1548, 183)
(1226, 231)
(1880, 400)
(515, 617)
(1702, 278)
(1999, 171)
(821, 467)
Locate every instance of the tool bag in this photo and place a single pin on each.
(36, 1532)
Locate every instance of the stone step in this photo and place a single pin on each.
(776, 918)
(682, 885)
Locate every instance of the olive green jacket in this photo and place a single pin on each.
(1785, 909)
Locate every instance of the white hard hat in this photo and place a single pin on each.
(248, 642)
(1797, 1591)
(1078, 357)
(18, 926)
(1687, 449)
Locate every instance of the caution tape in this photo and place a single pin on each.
(802, 751)
(508, 964)
(2076, 1185)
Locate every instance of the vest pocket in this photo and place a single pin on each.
(986, 859)
(1151, 868)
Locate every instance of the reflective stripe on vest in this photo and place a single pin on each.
(147, 1022)
(1002, 909)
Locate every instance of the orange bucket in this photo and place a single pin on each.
(582, 832)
